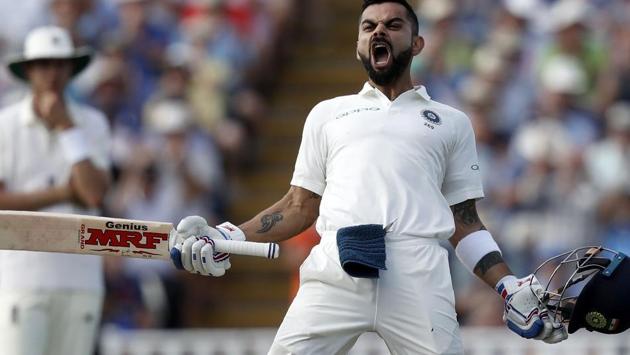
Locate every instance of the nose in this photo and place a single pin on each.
(379, 31)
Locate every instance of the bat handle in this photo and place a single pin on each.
(264, 250)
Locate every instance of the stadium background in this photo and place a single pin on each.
(221, 89)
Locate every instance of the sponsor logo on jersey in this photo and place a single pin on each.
(120, 238)
(357, 110)
(432, 117)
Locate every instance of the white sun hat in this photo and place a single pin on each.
(525, 9)
(49, 42)
(436, 10)
(565, 13)
(564, 74)
(168, 116)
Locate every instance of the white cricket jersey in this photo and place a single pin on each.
(376, 161)
(31, 159)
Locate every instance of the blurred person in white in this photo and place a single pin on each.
(568, 23)
(607, 165)
(607, 162)
(207, 92)
(175, 172)
(515, 37)
(616, 79)
(448, 53)
(54, 156)
(552, 211)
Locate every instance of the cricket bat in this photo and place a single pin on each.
(82, 234)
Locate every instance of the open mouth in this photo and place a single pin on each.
(381, 55)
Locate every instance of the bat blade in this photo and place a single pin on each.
(82, 234)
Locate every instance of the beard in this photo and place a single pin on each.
(391, 74)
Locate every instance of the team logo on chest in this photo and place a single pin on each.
(431, 117)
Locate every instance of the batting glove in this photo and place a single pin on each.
(192, 246)
(524, 314)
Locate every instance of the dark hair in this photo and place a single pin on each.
(411, 14)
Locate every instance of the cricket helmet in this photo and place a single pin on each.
(588, 287)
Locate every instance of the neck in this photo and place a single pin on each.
(395, 89)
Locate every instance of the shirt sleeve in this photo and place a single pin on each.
(310, 166)
(463, 180)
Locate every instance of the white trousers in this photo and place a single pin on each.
(49, 322)
(411, 305)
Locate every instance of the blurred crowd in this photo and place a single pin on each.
(168, 75)
(546, 85)
(183, 84)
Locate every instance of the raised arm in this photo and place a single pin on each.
(291, 215)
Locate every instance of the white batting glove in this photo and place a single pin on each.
(524, 314)
(192, 246)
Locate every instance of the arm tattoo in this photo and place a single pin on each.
(487, 262)
(466, 214)
(268, 221)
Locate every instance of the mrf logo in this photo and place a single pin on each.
(121, 238)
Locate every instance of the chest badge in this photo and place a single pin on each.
(432, 117)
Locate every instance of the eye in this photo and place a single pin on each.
(368, 27)
(394, 25)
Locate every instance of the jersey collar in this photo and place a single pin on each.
(369, 90)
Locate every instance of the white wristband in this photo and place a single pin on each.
(234, 232)
(475, 246)
(74, 145)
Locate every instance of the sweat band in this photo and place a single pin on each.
(474, 247)
(73, 145)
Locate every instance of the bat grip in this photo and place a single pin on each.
(237, 247)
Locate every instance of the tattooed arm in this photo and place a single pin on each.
(491, 268)
(294, 213)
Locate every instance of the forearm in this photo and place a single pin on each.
(32, 201)
(293, 214)
(490, 266)
(89, 183)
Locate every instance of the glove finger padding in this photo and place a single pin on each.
(187, 254)
(528, 326)
(213, 233)
(558, 334)
(524, 313)
(197, 257)
(547, 325)
(192, 225)
(210, 266)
